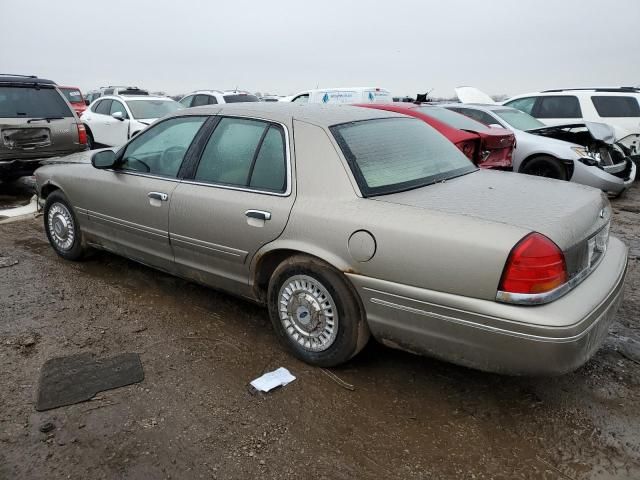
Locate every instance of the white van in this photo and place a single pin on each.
(342, 95)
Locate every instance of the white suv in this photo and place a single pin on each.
(213, 97)
(618, 107)
(111, 120)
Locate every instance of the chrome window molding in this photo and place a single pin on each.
(551, 295)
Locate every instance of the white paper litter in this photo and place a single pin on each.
(271, 380)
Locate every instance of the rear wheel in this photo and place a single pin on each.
(545, 166)
(62, 228)
(315, 312)
(90, 141)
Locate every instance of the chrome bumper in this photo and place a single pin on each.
(549, 339)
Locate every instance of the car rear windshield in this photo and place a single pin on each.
(30, 102)
(390, 155)
(239, 98)
(453, 119)
(519, 120)
(609, 106)
(72, 94)
(152, 108)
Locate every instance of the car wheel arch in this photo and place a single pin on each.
(568, 165)
(48, 188)
(265, 262)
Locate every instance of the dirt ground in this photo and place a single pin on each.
(194, 416)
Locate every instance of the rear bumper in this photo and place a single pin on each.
(18, 168)
(549, 339)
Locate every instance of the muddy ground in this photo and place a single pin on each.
(194, 416)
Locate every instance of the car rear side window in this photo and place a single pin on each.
(29, 102)
(561, 106)
(161, 149)
(477, 115)
(240, 98)
(394, 154)
(244, 153)
(453, 119)
(610, 106)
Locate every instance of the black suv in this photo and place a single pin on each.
(36, 122)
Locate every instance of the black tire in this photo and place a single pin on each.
(90, 141)
(545, 166)
(351, 330)
(62, 227)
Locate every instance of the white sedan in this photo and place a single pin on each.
(112, 120)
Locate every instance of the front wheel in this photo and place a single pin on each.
(545, 166)
(61, 227)
(315, 312)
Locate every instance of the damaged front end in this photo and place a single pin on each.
(597, 148)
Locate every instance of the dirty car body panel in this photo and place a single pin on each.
(425, 258)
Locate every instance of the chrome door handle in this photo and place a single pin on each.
(259, 214)
(158, 196)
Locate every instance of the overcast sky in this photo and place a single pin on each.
(407, 46)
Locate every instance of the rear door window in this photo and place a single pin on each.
(561, 106)
(28, 102)
(610, 106)
(245, 153)
(104, 107)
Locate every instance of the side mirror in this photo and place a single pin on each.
(86, 102)
(495, 125)
(103, 159)
(118, 116)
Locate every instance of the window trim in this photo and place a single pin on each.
(190, 178)
(188, 153)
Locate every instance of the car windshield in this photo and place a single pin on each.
(30, 102)
(240, 97)
(390, 155)
(453, 119)
(72, 94)
(518, 119)
(152, 108)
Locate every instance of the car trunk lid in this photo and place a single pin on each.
(37, 137)
(569, 214)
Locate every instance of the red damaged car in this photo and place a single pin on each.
(75, 98)
(485, 146)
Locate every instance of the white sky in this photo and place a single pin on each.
(285, 46)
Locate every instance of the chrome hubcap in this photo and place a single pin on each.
(308, 313)
(61, 226)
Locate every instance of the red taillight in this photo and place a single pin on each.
(82, 134)
(468, 148)
(535, 265)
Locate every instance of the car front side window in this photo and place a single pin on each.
(524, 104)
(245, 153)
(160, 150)
(118, 107)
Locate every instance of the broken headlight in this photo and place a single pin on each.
(587, 157)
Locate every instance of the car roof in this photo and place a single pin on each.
(478, 106)
(135, 97)
(323, 115)
(579, 92)
(25, 79)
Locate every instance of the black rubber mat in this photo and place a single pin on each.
(77, 378)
